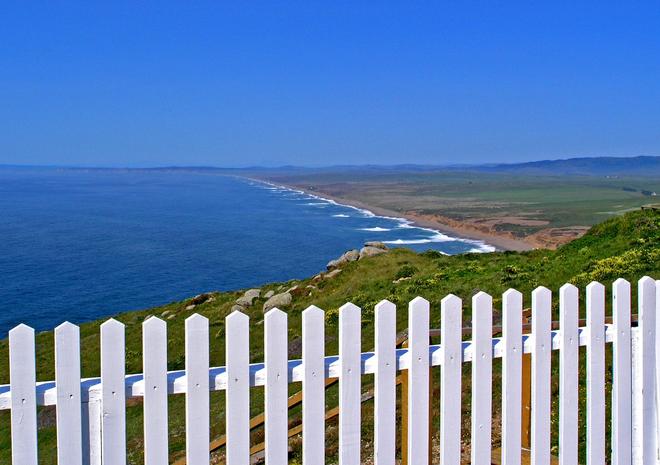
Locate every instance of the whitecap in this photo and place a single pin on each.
(375, 229)
(438, 237)
(482, 248)
(402, 223)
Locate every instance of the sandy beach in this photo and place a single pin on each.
(444, 225)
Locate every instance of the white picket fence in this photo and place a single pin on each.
(91, 423)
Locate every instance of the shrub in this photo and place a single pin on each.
(406, 271)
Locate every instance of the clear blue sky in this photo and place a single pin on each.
(196, 83)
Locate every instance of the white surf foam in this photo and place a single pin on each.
(437, 237)
(403, 223)
(375, 229)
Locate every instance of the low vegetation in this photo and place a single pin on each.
(627, 246)
(543, 209)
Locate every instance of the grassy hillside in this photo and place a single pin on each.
(626, 246)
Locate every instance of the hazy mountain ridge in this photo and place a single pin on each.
(644, 165)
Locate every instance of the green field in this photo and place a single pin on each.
(509, 200)
(626, 246)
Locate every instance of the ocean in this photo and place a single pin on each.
(76, 245)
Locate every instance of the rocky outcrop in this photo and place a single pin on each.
(349, 256)
(247, 299)
(237, 308)
(331, 274)
(269, 294)
(370, 251)
(278, 300)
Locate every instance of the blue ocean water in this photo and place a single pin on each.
(78, 245)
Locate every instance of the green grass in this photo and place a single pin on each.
(626, 246)
(561, 201)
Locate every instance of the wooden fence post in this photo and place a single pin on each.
(526, 430)
(404, 412)
(91, 431)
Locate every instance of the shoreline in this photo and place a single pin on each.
(459, 232)
(499, 242)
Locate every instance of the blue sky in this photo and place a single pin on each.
(305, 83)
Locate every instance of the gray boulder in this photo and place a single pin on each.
(237, 308)
(269, 294)
(331, 274)
(349, 256)
(248, 298)
(278, 300)
(377, 244)
(370, 251)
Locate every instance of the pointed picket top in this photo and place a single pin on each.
(419, 301)
(154, 324)
(112, 325)
(385, 306)
(595, 286)
(348, 307)
(569, 290)
(542, 296)
(542, 290)
(646, 280)
(621, 282)
(275, 314)
(451, 303)
(66, 328)
(196, 321)
(236, 317)
(646, 288)
(481, 298)
(349, 311)
(595, 298)
(512, 296)
(312, 310)
(21, 330)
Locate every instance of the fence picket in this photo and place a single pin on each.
(646, 366)
(349, 384)
(237, 409)
(197, 390)
(418, 384)
(595, 374)
(22, 379)
(154, 359)
(277, 383)
(482, 378)
(450, 380)
(313, 353)
(67, 380)
(385, 385)
(621, 379)
(91, 426)
(113, 372)
(91, 413)
(568, 374)
(511, 376)
(541, 364)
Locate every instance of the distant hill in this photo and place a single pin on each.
(585, 166)
(601, 166)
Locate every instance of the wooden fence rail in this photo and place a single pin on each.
(91, 413)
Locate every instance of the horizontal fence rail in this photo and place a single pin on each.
(91, 413)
